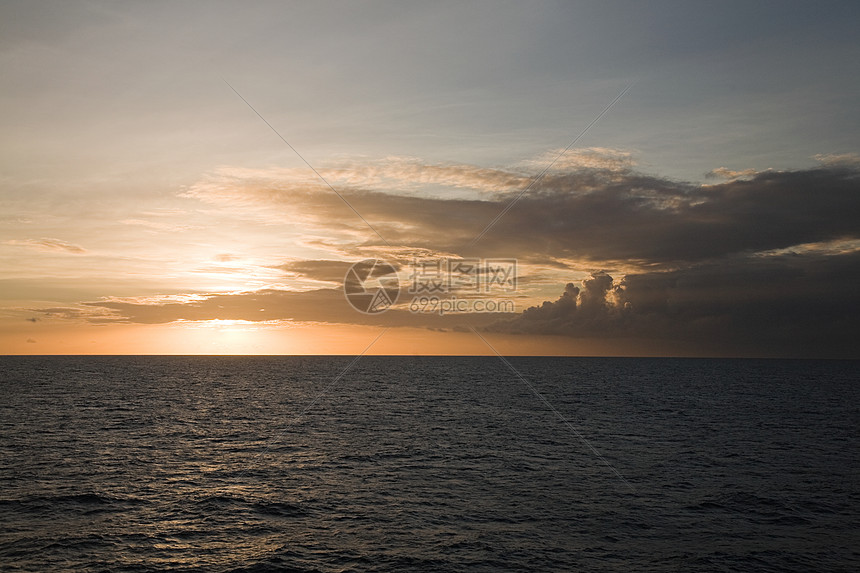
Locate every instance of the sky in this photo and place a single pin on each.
(668, 178)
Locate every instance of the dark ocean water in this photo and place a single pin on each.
(428, 464)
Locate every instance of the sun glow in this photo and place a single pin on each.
(223, 336)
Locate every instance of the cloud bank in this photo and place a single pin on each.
(326, 305)
(787, 305)
(588, 215)
(758, 263)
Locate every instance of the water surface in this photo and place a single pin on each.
(450, 464)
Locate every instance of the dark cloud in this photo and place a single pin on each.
(321, 305)
(589, 215)
(789, 305)
(320, 270)
(634, 218)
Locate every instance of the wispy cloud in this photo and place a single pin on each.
(409, 173)
(48, 245)
(730, 174)
(838, 159)
(81, 313)
(600, 158)
(158, 225)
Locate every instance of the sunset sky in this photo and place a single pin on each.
(714, 209)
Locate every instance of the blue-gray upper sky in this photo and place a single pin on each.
(734, 84)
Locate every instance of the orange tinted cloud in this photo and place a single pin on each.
(49, 245)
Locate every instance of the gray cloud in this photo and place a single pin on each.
(320, 270)
(788, 305)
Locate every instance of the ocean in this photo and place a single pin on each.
(264, 464)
